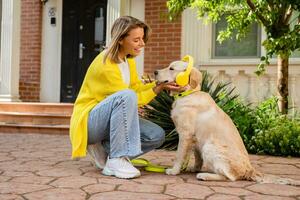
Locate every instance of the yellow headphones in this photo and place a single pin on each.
(182, 78)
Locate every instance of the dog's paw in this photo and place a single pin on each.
(172, 171)
(201, 177)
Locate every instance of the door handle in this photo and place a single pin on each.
(81, 48)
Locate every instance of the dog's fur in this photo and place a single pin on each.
(205, 128)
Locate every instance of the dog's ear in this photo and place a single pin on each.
(195, 78)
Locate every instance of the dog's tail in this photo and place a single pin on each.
(267, 178)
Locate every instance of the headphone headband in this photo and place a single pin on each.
(182, 78)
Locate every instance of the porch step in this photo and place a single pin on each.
(44, 118)
(34, 118)
(23, 107)
(29, 128)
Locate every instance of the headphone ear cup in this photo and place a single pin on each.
(182, 79)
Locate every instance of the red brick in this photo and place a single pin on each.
(165, 42)
(30, 55)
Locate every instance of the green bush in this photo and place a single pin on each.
(274, 133)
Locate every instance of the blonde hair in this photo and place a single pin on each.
(119, 31)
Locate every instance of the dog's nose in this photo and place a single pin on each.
(155, 72)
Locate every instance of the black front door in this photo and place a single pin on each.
(83, 37)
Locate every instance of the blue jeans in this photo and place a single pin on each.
(116, 124)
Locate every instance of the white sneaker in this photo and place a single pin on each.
(121, 168)
(97, 154)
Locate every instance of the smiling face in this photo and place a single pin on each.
(169, 74)
(132, 44)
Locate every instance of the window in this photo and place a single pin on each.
(293, 22)
(248, 47)
(99, 29)
(0, 23)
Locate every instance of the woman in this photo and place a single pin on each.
(106, 110)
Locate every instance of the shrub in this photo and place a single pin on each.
(274, 133)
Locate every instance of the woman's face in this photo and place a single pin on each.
(133, 43)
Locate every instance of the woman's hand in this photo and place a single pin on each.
(147, 79)
(172, 86)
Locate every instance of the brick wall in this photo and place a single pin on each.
(165, 42)
(30, 55)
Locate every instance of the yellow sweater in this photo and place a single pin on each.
(102, 80)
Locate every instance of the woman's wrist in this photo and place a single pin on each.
(157, 89)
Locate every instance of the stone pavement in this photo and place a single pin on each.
(38, 167)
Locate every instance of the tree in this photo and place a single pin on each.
(279, 18)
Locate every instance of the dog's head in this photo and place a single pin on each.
(170, 73)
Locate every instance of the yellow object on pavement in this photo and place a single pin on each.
(148, 166)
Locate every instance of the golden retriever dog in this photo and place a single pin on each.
(207, 130)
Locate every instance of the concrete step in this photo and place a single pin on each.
(63, 108)
(43, 118)
(40, 129)
(35, 118)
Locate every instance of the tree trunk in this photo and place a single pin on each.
(283, 83)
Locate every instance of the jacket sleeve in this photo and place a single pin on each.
(144, 92)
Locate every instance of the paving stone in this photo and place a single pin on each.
(279, 169)
(73, 182)
(89, 169)
(16, 173)
(10, 197)
(188, 176)
(158, 179)
(223, 197)
(167, 162)
(275, 189)
(281, 160)
(33, 166)
(73, 164)
(20, 188)
(97, 188)
(10, 165)
(4, 154)
(238, 184)
(32, 154)
(295, 177)
(56, 158)
(135, 187)
(185, 199)
(266, 197)
(94, 173)
(114, 181)
(4, 178)
(59, 172)
(119, 195)
(6, 158)
(256, 157)
(40, 180)
(57, 194)
(46, 159)
(232, 191)
(187, 190)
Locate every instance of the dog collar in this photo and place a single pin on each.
(183, 94)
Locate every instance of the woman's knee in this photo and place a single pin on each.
(125, 97)
(161, 136)
(158, 136)
(128, 96)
